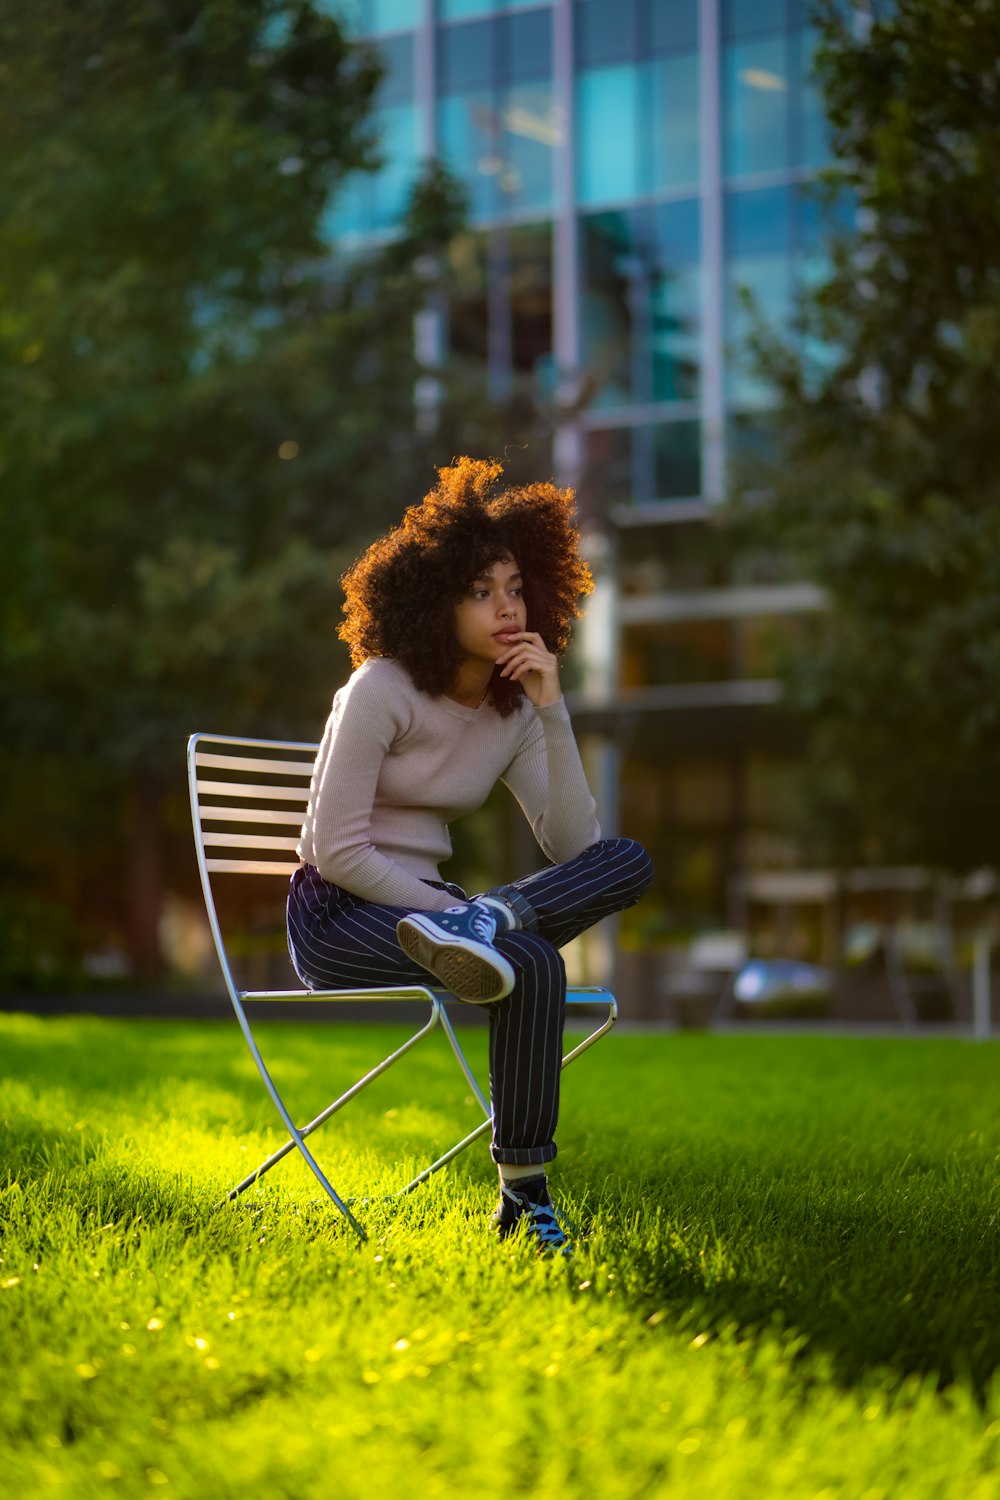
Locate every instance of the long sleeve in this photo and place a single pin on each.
(367, 718)
(548, 780)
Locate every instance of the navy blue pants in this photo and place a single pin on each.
(338, 941)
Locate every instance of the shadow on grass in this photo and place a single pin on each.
(909, 1284)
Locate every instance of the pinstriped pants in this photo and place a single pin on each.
(338, 941)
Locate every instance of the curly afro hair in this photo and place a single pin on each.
(401, 594)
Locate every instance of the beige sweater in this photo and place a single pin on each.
(396, 766)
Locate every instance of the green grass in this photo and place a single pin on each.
(788, 1284)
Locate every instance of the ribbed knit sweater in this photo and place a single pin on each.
(396, 766)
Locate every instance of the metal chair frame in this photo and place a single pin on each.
(280, 803)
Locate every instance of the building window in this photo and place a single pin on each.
(373, 202)
(613, 31)
(500, 308)
(497, 123)
(607, 160)
(641, 303)
(637, 130)
(681, 651)
(608, 475)
(773, 112)
(607, 259)
(775, 246)
(756, 90)
(742, 18)
(812, 146)
(530, 282)
(671, 98)
(376, 17)
(459, 10)
(758, 265)
(669, 26)
(468, 303)
(676, 460)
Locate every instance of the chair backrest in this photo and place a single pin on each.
(248, 800)
(249, 797)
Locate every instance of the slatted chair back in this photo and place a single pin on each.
(248, 802)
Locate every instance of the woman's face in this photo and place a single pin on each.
(492, 612)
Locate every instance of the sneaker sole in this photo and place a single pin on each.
(469, 975)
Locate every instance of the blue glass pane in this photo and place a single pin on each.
(768, 280)
(606, 155)
(814, 129)
(808, 221)
(397, 81)
(347, 215)
(392, 15)
(397, 130)
(468, 132)
(755, 102)
(677, 232)
(457, 10)
(816, 220)
(671, 25)
(752, 17)
(676, 460)
(674, 323)
(465, 57)
(608, 254)
(525, 46)
(757, 222)
(604, 32)
(353, 14)
(530, 130)
(671, 88)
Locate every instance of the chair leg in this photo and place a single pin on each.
(296, 1136)
(462, 1145)
(438, 1015)
(463, 1062)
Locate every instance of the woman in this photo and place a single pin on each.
(456, 620)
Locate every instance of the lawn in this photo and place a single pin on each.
(788, 1282)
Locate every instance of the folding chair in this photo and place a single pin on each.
(248, 800)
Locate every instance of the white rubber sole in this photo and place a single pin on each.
(473, 971)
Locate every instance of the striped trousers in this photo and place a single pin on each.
(339, 941)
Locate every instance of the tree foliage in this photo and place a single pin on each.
(204, 410)
(886, 487)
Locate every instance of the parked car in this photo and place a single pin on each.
(781, 987)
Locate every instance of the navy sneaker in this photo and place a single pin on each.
(456, 945)
(533, 1210)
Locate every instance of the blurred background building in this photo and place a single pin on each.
(631, 165)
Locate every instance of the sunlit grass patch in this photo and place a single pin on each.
(787, 1282)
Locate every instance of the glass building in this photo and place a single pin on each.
(631, 165)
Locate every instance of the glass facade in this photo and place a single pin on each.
(589, 115)
(638, 178)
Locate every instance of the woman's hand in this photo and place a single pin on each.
(531, 664)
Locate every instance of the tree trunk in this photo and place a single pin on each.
(145, 876)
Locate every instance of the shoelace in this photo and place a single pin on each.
(543, 1221)
(482, 924)
(545, 1226)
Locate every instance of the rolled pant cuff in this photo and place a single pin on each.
(519, 905)
(523, 1156)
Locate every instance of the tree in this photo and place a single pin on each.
(202, 408)
(886, 487)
